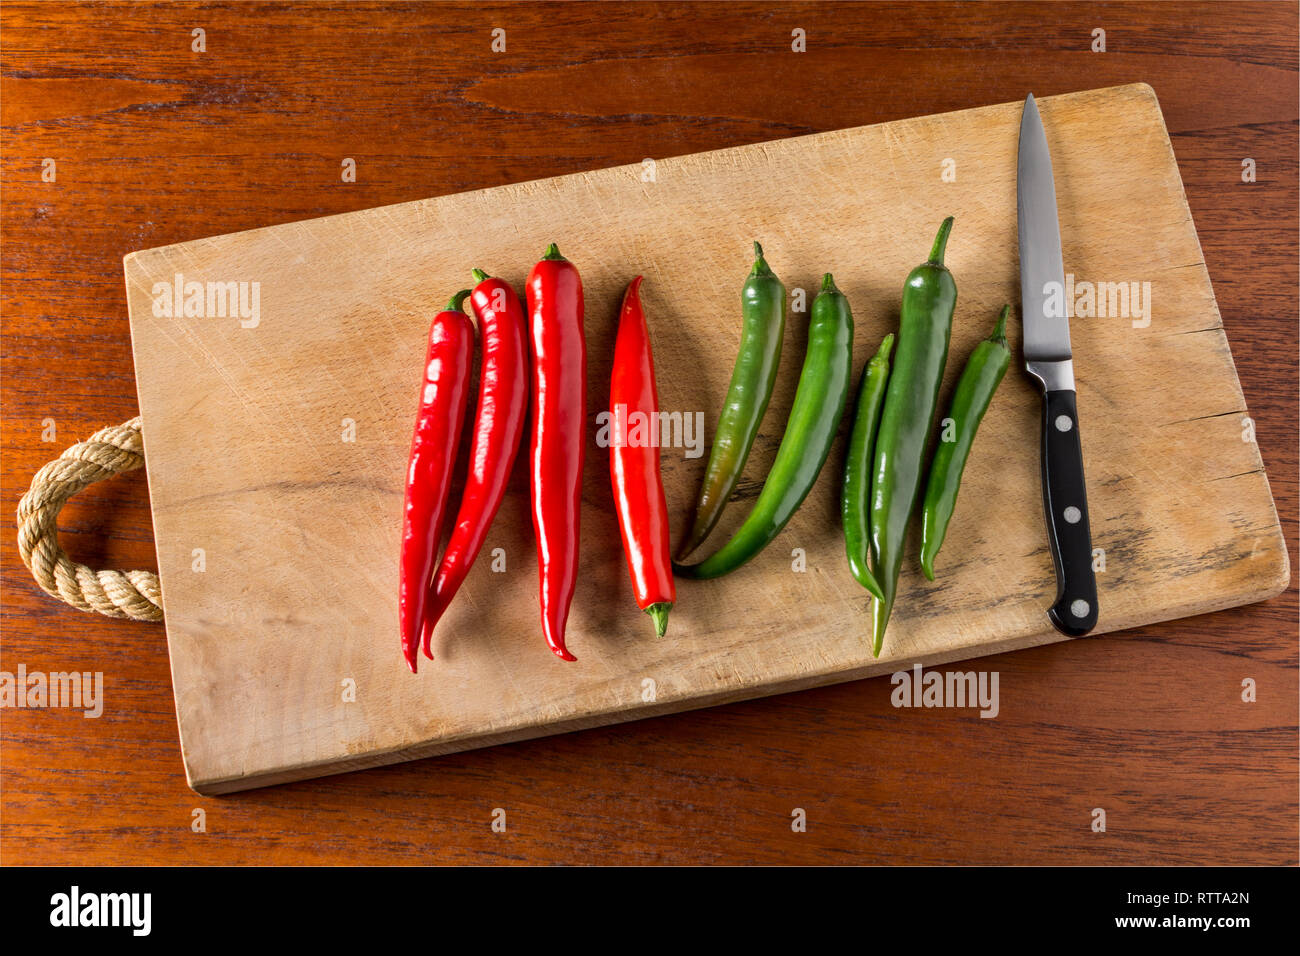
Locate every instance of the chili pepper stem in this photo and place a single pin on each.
(479, 275)
(999, 336)
(941, 242)
(659, 614)
(457, 303)
(552, 254)
(886, 347)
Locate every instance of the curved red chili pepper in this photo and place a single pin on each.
(443, 396)
(554, 293)
(634, 463)
(498, 425)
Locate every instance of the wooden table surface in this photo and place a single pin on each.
(155, 143)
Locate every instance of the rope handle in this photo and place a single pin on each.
(125, 594)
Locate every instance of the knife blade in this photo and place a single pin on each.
(1050, 362)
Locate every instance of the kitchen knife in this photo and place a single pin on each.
(1048, 359)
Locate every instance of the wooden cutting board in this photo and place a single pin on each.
(276, 448)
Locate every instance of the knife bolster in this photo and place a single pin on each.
(1053, 376)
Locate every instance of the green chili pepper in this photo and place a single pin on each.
(854, 503)
(925, 323)
(762, 309)
(979, 380)
(814, 419)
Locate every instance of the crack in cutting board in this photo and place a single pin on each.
(246, 423)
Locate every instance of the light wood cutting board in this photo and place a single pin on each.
(276, 453)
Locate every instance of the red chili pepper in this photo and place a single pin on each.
(559, 378)
(443, 396)
(499, 423)
(634, 463)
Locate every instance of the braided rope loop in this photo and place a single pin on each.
(126, 594)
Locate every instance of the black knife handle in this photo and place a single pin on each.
(1065, 504)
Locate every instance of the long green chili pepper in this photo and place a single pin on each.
(814, 419)
(855, 501)
(925, 323)
(762, 309)
(979, 380)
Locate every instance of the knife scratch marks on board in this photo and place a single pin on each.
(203, 356)
(1200, 418)
(832, 581)
(893, 142)
(505, 670)
(363, 570)
(304, 226)
(278, 237)
(1240, 474)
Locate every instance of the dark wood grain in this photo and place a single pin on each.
(156, 144)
